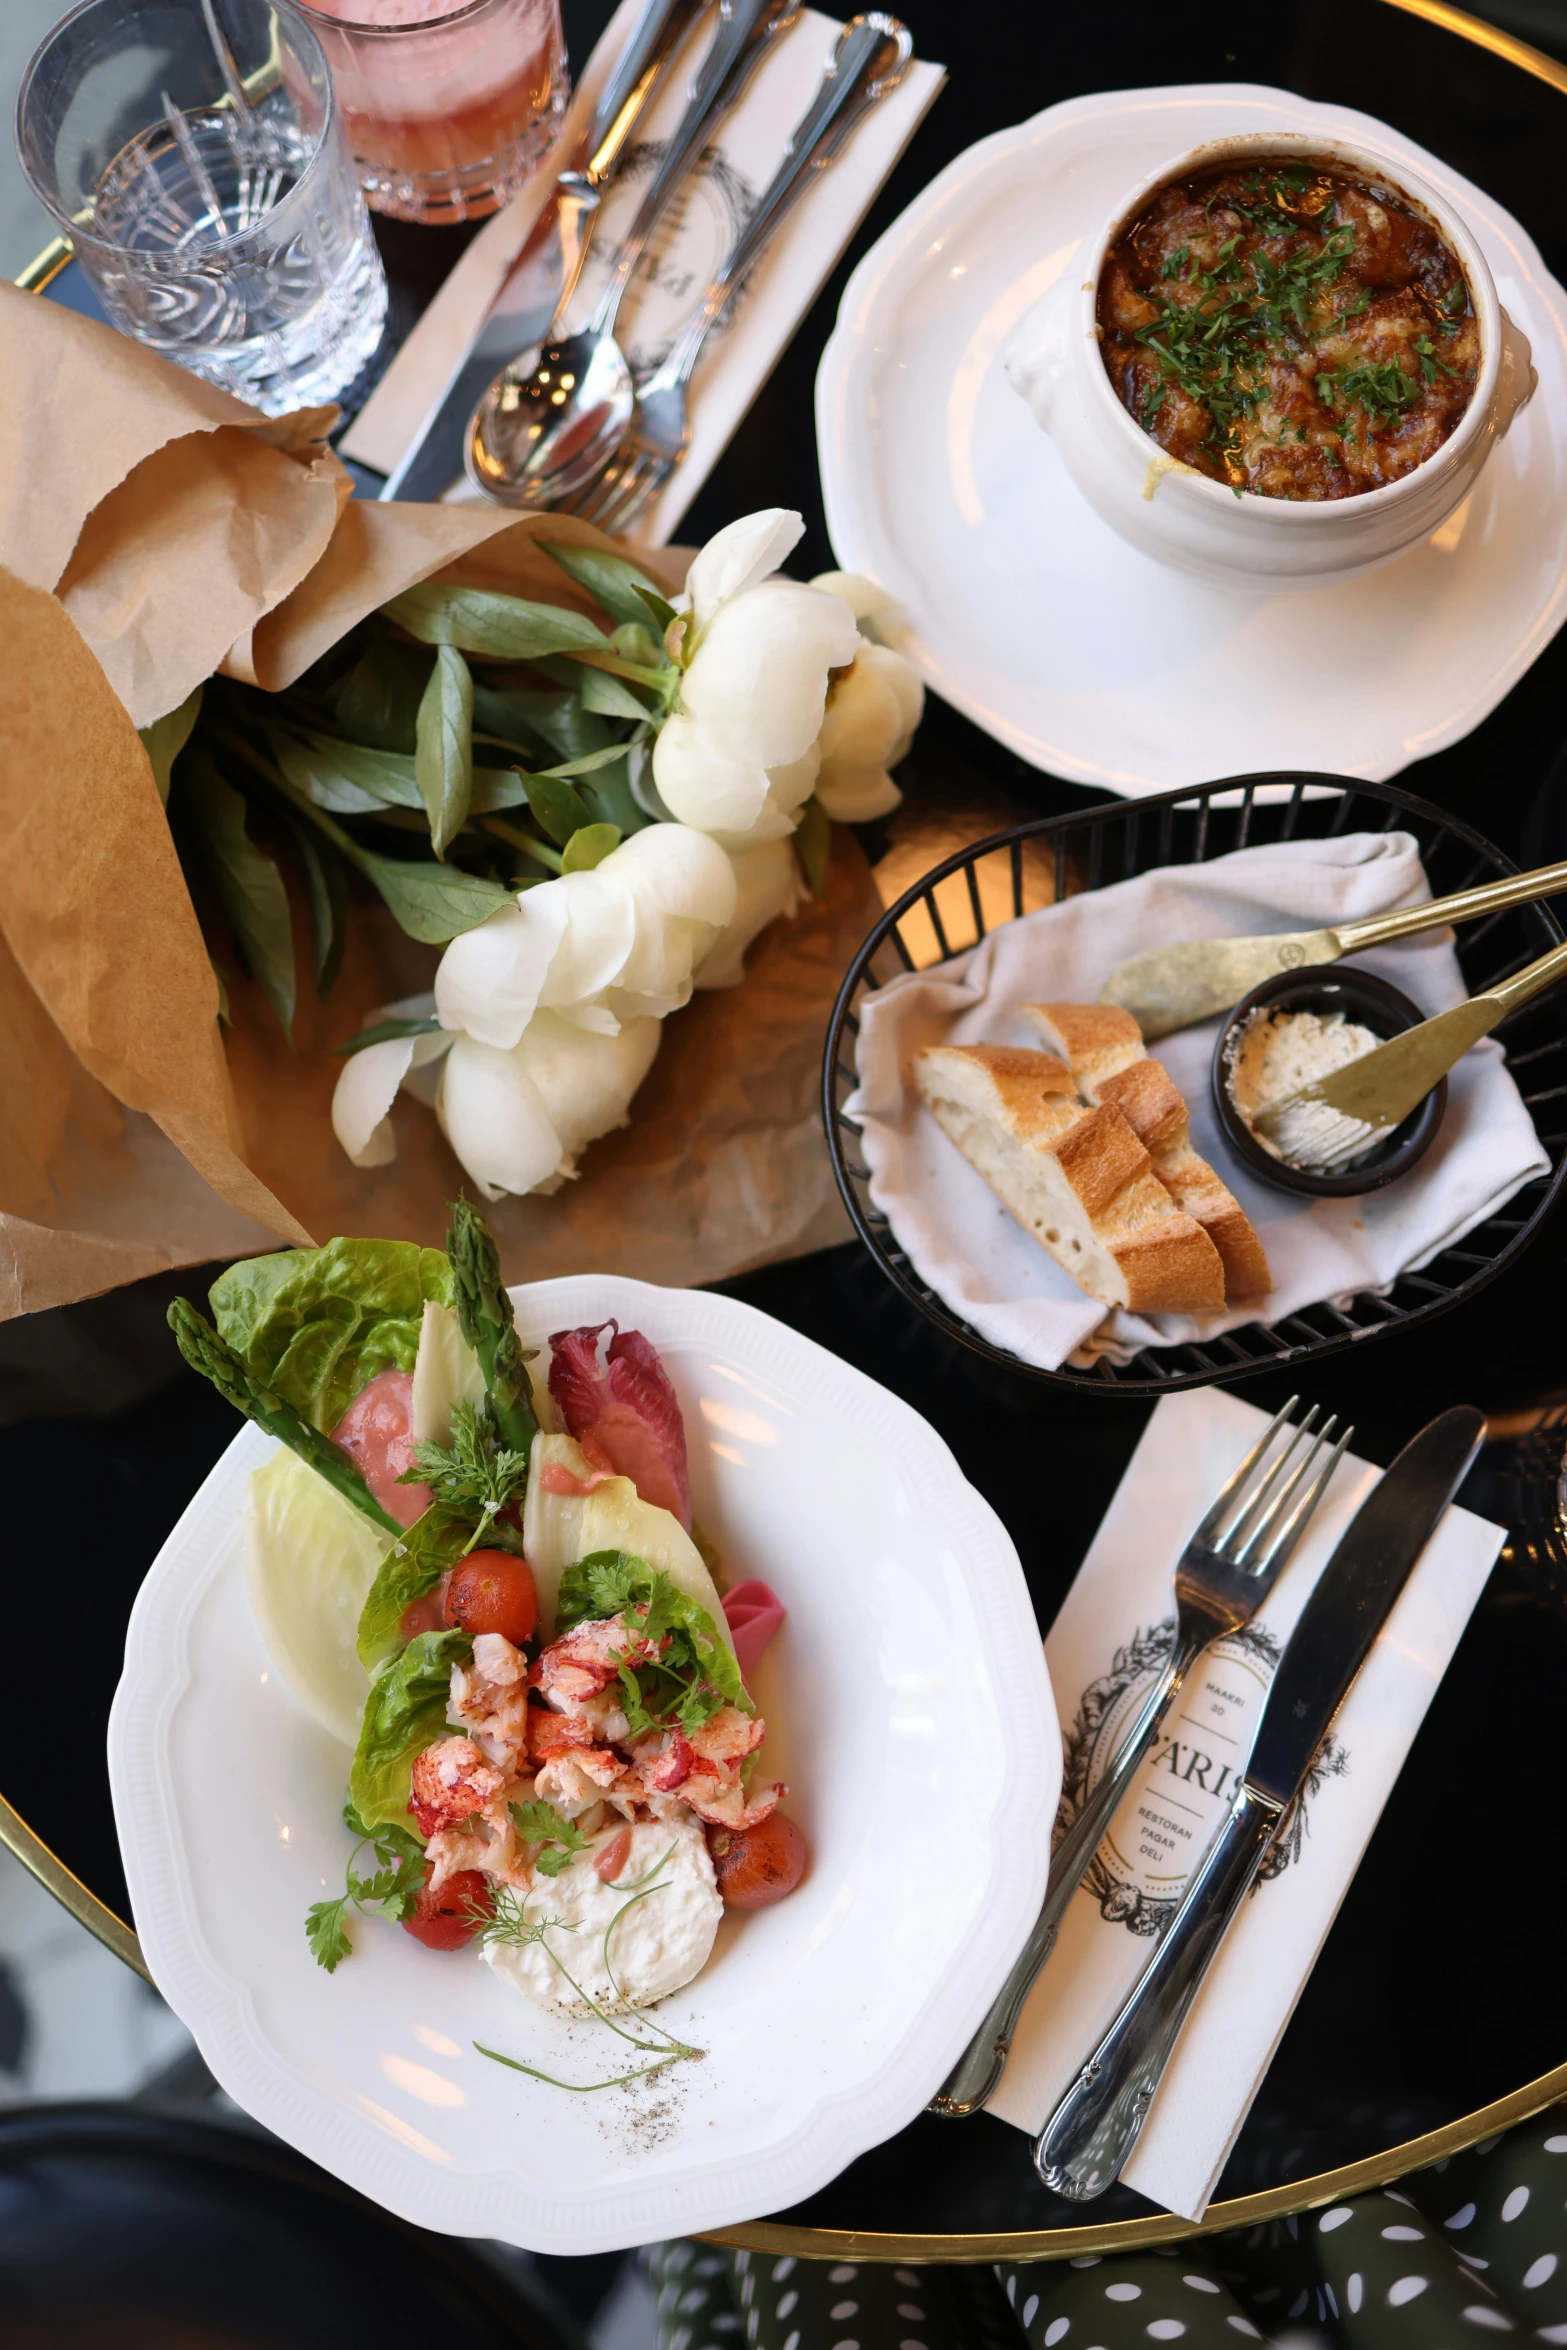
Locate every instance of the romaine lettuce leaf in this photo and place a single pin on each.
(317, 1323)
(410, 1569)
(404, 1713)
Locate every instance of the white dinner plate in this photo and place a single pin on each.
(1028, 613)
(908, 1707)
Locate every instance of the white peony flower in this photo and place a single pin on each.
(872, 712)
(618, 942)
(769, 885)
(370, 1081)
(737, 757)
(518, 1120)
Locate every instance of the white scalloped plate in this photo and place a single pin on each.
(1030, 615)
(913, 1719)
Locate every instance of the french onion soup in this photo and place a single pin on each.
(1288, 328)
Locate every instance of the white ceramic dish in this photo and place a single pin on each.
(1055, 359)
(914, 1722)
(1025, 610)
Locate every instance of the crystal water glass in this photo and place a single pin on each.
(193, 153)
(448, 105)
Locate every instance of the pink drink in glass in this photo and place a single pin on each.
(448, 104)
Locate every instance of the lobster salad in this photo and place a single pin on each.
(478, 1569)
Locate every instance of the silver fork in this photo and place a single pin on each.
(870, 58)
(1223, 1576)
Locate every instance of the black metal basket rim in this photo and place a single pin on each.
(1103, 1376)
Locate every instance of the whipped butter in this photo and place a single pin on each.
(1273, 1056)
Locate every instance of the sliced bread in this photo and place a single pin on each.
(1103, 1047)
(1077, 1179)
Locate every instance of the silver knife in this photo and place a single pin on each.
(433, 460)
(1085, 2144)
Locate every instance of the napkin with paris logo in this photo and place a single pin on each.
(1110, 1637)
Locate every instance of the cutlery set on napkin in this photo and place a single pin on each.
(598, 344)
(1250, 1743)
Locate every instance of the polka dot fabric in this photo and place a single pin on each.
(1112, 2304)
(1502, 2206)
(1390, 2281)
(1452, 2258)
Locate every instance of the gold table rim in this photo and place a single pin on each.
(1026, 2244)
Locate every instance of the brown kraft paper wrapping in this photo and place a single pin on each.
(154, 530)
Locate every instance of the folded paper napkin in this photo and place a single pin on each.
(746, 149)
(964, 1243)
(1111, 1637)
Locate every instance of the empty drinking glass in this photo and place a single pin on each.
(192, 152)
(448, 105)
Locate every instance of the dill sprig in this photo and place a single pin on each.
(509, 1923)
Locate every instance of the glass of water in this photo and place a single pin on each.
(191, 150)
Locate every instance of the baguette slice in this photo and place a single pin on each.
(1103, 1046)
(1077, 1179)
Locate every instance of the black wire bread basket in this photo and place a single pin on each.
(1058, 856)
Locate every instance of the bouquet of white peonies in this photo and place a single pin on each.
(749, 713)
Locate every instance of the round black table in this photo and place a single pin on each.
(1431, 2020)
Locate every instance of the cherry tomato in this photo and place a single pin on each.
(492, 1591)
(757, 1866)
(449, 1919)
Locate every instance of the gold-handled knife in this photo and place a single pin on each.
(1377, 1092)
(1171, 987)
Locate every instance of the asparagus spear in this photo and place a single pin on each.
(233, 1378)
(484, 1312)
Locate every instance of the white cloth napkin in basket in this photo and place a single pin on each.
(1108, 1640)
(963, 1242)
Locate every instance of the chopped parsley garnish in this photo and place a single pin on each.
(393, 1889)
(540, 1823)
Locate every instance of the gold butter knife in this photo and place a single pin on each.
(1171, 987)
(1377, 1092)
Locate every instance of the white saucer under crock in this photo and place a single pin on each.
(1029, 614)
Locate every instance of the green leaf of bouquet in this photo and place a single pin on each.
(443, 756)
(345, 778)
(383, 1031)
(662, 611)
(557, 809)
(377, 703)
(813, 845)
(609, 796)
(326, 882)
(539, 722)
(433, 903)
(502, 628)
(610, 580)
(609, 697)
(166, 737)
(589, 847)
(249, 885)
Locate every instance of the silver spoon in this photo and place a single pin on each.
(552, 419)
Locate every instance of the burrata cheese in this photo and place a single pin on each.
(659, 1943)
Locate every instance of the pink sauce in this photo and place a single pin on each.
(376, 1432)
